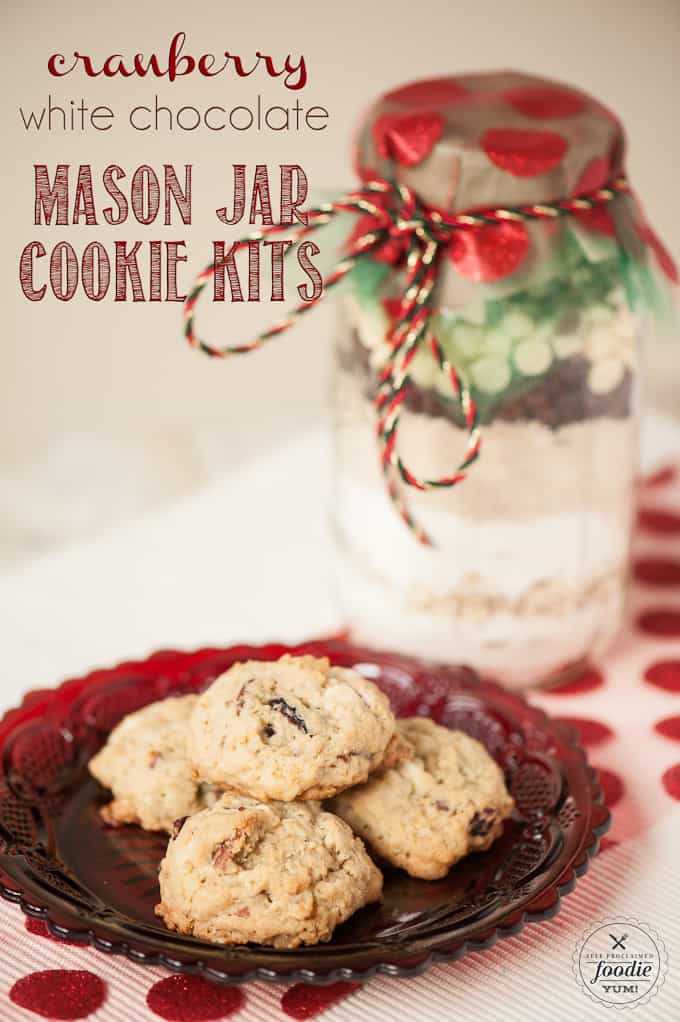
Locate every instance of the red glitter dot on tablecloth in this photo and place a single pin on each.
(593, 176)
(612, 786)
(585, 683)
(669, 727)
(653, 520)
(661, 622)
(664, 674)
(523, 153)
(657, 571)
(544, 101)
(671, 781)
(407, 138)
(590, 732)
(435, 92)
(193, 999)
(38, 927)
(491, 252)
(303, 1001)
(663, 256)
(661, 477)
(59, 993)
(607, 842)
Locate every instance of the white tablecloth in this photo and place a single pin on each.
(247, 559)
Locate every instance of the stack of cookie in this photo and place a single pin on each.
(237, 774)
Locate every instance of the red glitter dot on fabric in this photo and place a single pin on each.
(585, 683)
(606, 843)
(391, 251)
(597, 219)
(435, 92)
(663, 256)
(594, 176)
(59, 993)
(303, 1001)
(671, 781)
(612, 786)
(664, 623)
(491, 252)
(407, 138)
(193, 999)
(661, 477)
(523, 153)
(669, 727)
(657, 571)
(545, 101)
(664, 674)
(590, 732)
(38, 927)
(659, 521)
(365, 174)
(392, 307)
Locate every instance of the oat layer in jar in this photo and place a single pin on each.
(543, 316)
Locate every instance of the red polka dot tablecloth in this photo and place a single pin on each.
(627, 711)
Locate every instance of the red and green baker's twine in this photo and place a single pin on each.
(426, 232)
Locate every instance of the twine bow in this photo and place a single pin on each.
(424, 232)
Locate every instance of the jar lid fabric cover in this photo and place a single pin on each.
(505, 139)
(482, 140)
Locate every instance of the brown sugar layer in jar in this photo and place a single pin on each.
(560, 398)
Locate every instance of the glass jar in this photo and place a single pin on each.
(526, 577)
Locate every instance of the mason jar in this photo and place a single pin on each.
(543, 317)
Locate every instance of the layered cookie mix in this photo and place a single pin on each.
(528, 568)
(295, 729)
(544, 291)
(428, 812)
(145, 765)
(282, 874)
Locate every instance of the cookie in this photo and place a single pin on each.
(426, 813)
(145, 764)
(278, 873)
(295, 728)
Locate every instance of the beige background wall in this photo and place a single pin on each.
(103, 407)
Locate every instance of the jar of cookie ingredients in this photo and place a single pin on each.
(543, 317)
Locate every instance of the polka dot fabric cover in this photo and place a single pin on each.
(483, 140)
(501, 140)
(627, 712)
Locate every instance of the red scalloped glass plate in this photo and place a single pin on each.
(99, 885)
